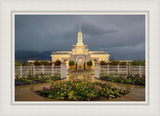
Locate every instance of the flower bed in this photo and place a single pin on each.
(81, 90)
(28, 81)
(125, 80)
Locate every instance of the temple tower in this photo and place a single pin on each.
(80, 40)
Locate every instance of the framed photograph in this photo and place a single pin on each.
(82, 58)
(80, 67)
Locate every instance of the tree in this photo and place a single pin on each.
(58, 63)
(138, 62)
(122, 63)
(84, 66)
(71, 63)
(90, 63)
(29, 63)
(114, 63)
(103, 63)
(24, 64)
(37, 63)
(134, 62)
(143, 63)
(45, 63)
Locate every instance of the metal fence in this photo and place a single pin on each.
(37, 71)
(121, 70)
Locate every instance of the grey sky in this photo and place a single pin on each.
(123, 36)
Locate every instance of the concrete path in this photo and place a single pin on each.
(26, 92)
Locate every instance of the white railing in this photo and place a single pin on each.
(121, 70)
(36, 71)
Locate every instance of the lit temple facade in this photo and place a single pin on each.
(80, 54)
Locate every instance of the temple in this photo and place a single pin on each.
(80, 54)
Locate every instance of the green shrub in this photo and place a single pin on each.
(57, 62)
(103, 62)
(138, 62)
(31, 80)
(71, 63)
(114, 63)
(130, 80)
(90, 63)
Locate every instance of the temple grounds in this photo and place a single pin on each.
(29, 92)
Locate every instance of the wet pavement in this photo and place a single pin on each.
(27, 92)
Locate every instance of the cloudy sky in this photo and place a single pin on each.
(123, 36)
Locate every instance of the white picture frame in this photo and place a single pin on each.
(151, 107)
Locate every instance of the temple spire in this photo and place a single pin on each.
(79, 26)
(80, 41)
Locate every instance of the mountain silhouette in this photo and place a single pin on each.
(24, 55)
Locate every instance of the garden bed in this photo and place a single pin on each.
(125, 80)
(31, 80)
(81, 90)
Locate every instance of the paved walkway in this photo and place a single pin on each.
(26, 93)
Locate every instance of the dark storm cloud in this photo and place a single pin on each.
(123, 36)
(96, 30)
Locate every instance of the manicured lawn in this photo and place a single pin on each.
(81, 90)
(125, 80)
(28, 81)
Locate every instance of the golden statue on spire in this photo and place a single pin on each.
(79, 26)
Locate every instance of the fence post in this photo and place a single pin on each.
(140, 70)
(33, 70)
(108, 69)
(129, 69)
(21, 71)
(96, 71)
(52, 70)
(43, 69)
(63, 71)
(126, 70)
(118, 69)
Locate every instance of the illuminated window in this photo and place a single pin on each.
(80, 51)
